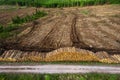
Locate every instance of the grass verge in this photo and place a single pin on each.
(65, 63)
(88, 76)
(58, 3)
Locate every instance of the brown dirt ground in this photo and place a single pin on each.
(7, 15)
(93, 28)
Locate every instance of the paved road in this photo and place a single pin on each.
(59, 69)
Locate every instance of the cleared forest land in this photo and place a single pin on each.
(95, 28)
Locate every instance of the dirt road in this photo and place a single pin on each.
(59, 69)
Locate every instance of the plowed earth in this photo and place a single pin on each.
(7, 15)
(95, 28)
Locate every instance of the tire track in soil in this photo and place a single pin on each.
(35, 24)
(40, 32)
(65, 40)
(46, 42)
(75, 37)
(59, 34)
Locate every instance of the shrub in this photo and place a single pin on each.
(10, 28)
(4, 35)
(6, 31)
(1, 28)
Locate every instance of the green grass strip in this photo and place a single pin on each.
(58, 3)
(88, 76)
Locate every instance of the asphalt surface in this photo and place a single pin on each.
(51, 69)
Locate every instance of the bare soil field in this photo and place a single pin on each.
(95, 28)
(6, 14)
